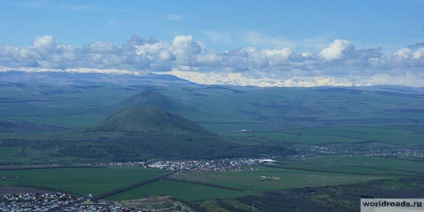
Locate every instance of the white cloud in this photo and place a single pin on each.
(154, 51)
(101, 48)
(340, 63)
(277, 56)
(165, 55)
(185, 49)
(402, 53)
(335, 50)
(409, 58)
(418, 54)
(44, 42)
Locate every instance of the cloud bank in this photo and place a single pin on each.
(338, 64)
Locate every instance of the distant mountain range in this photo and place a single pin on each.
(70, 78)
(124, 77)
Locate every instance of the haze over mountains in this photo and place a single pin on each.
(90, 77)
(118, 76)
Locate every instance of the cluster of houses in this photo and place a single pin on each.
(37, 202)
(416, 154)
(198, 165)
(53, 201)
(208, 165)
(407, 154)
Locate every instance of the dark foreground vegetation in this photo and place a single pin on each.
(334, 198)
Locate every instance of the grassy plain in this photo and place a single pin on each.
(179, 190)
(224, 109)
(358, 165)
(317, 172)
(208, 185)
(265, 178)
(79, 180)
(403, 134)
(6, 152)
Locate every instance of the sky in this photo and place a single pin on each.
(239, 42)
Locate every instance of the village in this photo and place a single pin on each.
(51, 201)
(199, 165)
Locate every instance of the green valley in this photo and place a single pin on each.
(203, 147)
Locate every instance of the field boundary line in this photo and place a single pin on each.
(26, 167)
(129, 187)
(205, 184)
(338, 172)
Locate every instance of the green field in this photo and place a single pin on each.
(239, 183)
(358, 164)
(406, 134)
(179, 190)
(6, 152)
(389, 134)
(265, 178)
(79, 180)
(217, 189)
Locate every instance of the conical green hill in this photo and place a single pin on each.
(149, 119)
(153, 98)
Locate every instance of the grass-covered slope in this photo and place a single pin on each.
(154, 98)
(13, 126)
(151, 98)
(149, 119)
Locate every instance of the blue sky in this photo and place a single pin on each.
(292, 31)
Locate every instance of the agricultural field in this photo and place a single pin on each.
(80, 181)
(266, 178)
(184, 191)
(189, 185)
(6, 152)
(366, 165)
(404, 134)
